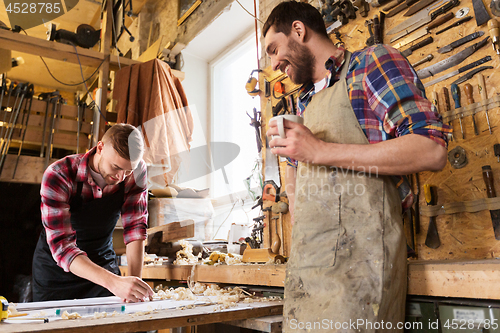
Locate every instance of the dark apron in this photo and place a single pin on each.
(93, 222)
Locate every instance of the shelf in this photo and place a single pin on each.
(469, 279)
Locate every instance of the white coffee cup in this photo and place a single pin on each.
(280, 122)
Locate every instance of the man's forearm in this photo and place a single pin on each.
(401, 156)
(135, 258)
(83, 267)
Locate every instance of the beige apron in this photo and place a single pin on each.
(347, 267)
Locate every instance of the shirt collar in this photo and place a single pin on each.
(83, 173)
(332, 65)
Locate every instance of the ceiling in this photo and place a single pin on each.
(233, 24)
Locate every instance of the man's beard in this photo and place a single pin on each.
(107, 177)
(301, 63)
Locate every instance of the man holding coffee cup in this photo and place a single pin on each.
(367, 123)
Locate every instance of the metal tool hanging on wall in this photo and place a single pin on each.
(457, 157)
(20, 92)
(24, 126)
(480, 12)
(432, 238)
(490, 191)
(451, 61)
(458, 71)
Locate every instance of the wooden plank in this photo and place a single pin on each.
(263, 324)
(471, 279)
(174, 231)
(154, 321)
(36, 123)
(61, 140)
(29, 170)
(261, 275)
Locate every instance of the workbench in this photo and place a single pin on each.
(162, 319)
(445, 278)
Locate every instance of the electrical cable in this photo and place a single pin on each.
(64, 83)
(255, 17)
(86, 88)
(225, 218)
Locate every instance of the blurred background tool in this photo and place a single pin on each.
(495, 35)
(455, 92)
(470, 100)
(490, 191)
(432, 238)
(484, 96)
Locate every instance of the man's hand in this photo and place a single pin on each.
(300, 144)
(131, 289)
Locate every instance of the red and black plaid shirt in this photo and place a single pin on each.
(59, 185)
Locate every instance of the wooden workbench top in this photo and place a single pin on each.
(159, 320)
(447, 278)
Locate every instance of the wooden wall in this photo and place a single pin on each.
(463, 235)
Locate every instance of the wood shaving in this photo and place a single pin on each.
(217, 258)
(99, 315)
(177, 294)
(68, 316)
(12, 310)
(186, 256)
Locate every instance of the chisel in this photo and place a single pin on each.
(432, 238)
(455, 92)
(447, 106)
(417, 46)
(400, 7)
(470, 100)
(490, 191)
(456, 24)
(460, 42)
(484, 96)
(470, 74)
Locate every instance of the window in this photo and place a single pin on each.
(230, 123)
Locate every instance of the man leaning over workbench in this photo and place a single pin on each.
(367, 123)
(83, 196)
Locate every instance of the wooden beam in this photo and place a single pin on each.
(471, 279)
(263, 324)
(174, 231)
(261, 275)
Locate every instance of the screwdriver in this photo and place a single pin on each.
(484, 96)
(455, 92)
(470, 100)
(447, 106)
(496, 149)
(495, 35)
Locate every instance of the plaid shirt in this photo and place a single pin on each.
(388, 100)
(59, 185)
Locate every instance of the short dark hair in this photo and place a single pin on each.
(284, 14)
(126, 140)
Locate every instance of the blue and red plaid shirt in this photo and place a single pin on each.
(59, 185)
(388, 100)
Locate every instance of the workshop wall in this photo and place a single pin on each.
(462, 235)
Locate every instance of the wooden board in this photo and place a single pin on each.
(263, 324)
(174, 231)
(154, 321)
(473, 279)
(261, 275)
